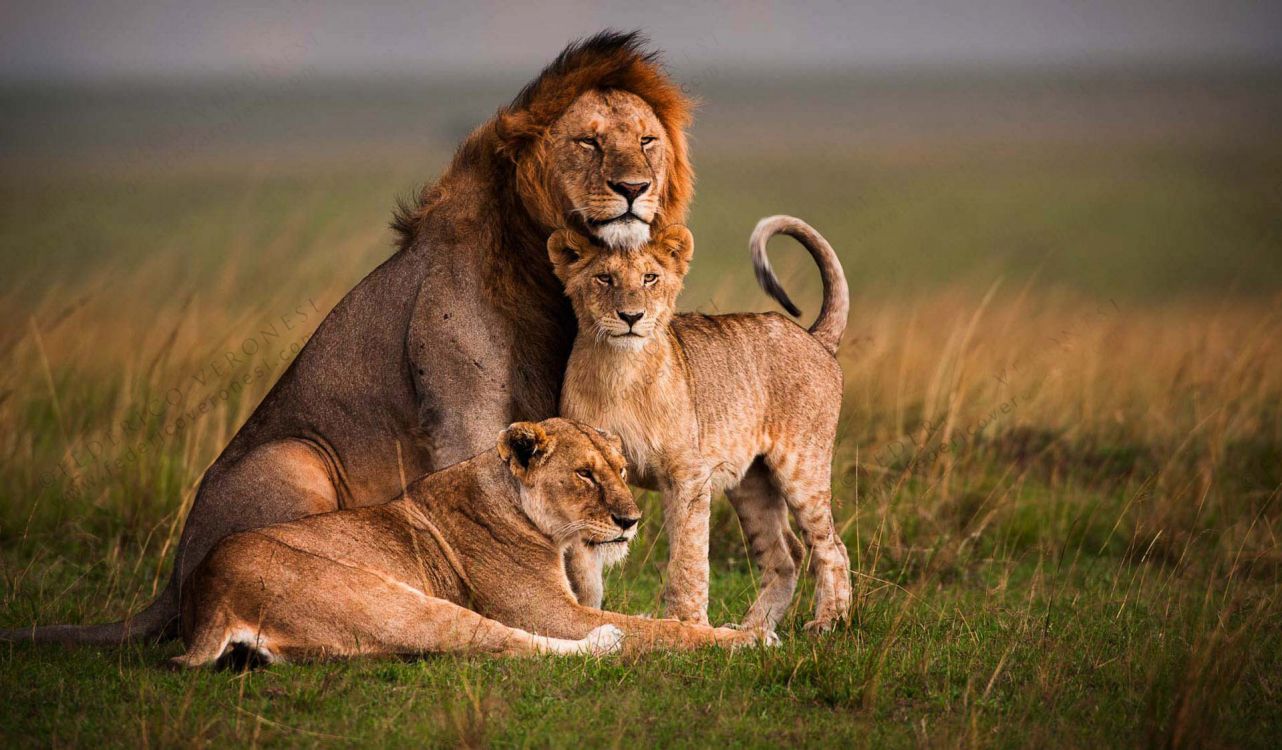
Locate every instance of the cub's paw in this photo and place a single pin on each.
(822, 625)
(606, 639)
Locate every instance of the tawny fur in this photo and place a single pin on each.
(461, 332)
(744, 403)
(469, 559)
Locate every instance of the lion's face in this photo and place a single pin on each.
(572, 480)
(608, 156)
(622, 298)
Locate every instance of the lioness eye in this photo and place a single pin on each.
(647, 140)
(604, 279)
(650, 278)
(585, 474)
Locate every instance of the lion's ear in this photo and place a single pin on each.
(565, 248)
(522, 444)
(516, 130)
(674, 246)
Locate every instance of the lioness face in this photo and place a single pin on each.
(609, 156)
(572, 479)
(622, 298)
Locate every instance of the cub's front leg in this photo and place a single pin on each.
(687, 505)
(584, 569)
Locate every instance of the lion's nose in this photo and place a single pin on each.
(630, 318)
(630, 190)
(624, 522)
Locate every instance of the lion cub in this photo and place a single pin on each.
(745, 403)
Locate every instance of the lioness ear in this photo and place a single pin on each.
(675, 247)
(611, 438)
(522, 444)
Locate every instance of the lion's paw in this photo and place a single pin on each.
(606, 639)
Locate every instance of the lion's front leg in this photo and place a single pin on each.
(686, 510)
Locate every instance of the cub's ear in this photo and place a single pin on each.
(674, 246)
(565, 248)
(523, 444)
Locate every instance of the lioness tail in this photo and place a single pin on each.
(831, 323)
(159, 620)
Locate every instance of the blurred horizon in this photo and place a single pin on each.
(1100, 147)
(59, 40)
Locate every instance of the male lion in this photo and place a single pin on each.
(465, 329)
(467, 559)
(747, 403)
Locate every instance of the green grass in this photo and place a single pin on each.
(997, 653)
(1097, 564)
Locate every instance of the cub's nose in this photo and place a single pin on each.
(630, 190)
(625, 523)
(630, 318)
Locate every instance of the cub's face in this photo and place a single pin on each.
(608, 156)
(622, 298)
(572, 480)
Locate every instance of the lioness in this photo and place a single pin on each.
(464, 329)
(747, 403)
(467, 559)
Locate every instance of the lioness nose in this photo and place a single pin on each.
(630, 190)
(630, 318)
(625, 523)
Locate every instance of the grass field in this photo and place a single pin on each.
(1059, 464)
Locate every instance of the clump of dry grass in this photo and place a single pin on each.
(1044, 494)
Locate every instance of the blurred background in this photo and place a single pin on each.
(1061, 222)
(1076, 206)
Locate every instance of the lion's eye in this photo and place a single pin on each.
(585, 475)
(647, 140)
(604, 279)
(589, 142)
(650, 278)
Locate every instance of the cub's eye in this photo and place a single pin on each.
(604, 279)
(589, 142)
(585, 475)
(647, 140)
(649, 278)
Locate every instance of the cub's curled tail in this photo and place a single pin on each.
(831, 323)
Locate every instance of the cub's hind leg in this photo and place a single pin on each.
(804, 478)
(775, 550)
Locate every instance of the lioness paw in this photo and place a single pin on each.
(606, 639)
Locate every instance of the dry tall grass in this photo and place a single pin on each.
(1045, 493)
